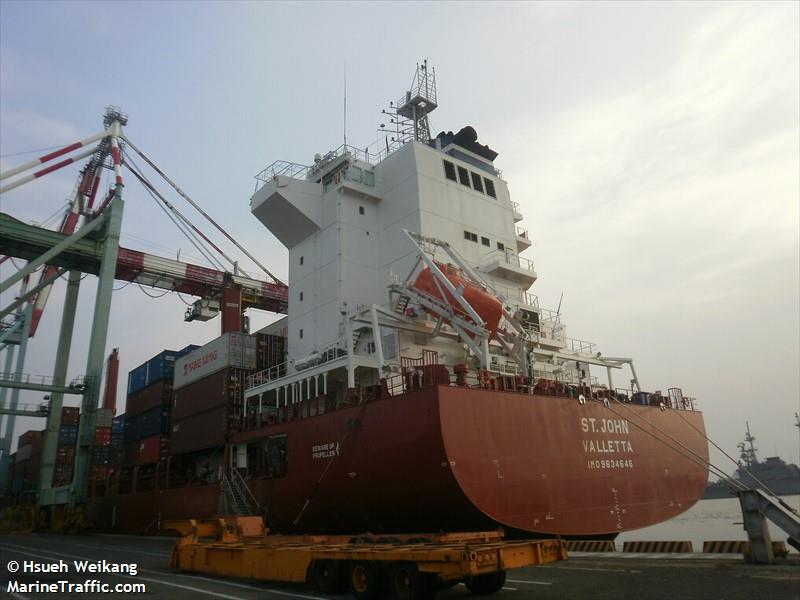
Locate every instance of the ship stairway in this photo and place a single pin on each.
(402, 304)
(757, 507)
(242, 502)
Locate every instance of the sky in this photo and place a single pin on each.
(654, 149)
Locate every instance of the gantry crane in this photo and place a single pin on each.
(93, 248)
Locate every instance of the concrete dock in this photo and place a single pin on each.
(607, 576)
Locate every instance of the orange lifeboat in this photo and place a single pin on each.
(485, 304)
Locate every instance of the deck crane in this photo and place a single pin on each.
(93, 248)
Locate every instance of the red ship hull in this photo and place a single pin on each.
(451, 458)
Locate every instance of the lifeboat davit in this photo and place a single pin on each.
(488, 307)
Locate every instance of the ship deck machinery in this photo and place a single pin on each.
(495, 418)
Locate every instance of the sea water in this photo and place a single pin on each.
(719, 519)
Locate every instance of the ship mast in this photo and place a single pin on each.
(748, 455)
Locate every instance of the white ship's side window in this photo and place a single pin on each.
(301, 260)
(472, 237)
(490, 187)
(361, 210)
(449, 170)
(301, 296)
(369, 178)
(501, 246)
(301, 334)
(476, 182)
(463, 176)
(484, 241)
(354, 174)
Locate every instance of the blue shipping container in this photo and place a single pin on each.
(100, 456)
(118, 424)
(161, 366)
(68, 435)
(155, 421)
(137, 379)
(187, 350)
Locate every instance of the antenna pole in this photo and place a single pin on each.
(344, 127)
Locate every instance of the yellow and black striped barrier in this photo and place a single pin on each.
(658, 547)
(740, 547)
(725, 546)
(590, 546)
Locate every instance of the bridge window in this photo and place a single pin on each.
(463, 176)
(501, 246)
(485, 241)
(490, 187)
(472, 237)
(449, 170)
(476, 182)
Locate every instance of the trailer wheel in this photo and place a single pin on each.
(366, 581)
(407, 583)
(328, 576)
(483, 585)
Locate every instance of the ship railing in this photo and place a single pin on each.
(281, 168)
(577, 345)
(267, 375)
(509, 257)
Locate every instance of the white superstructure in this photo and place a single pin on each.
(356, 225)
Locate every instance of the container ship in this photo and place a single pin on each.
(415, 383)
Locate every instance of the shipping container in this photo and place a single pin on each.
(23, 453)
(116, 455)
(70, 415)
(161, 366)
(29, 437)
(223, 388)
(102, 436)
(137, 379)
(270, 351)
(155, 421)
(118, 424)
(200, 431)
(68, 435)
(151, 449)
(117, 440)
(100, 455)
(187, 350)
(157, 394)
(103, 417)
(100, 471)
(237, 350)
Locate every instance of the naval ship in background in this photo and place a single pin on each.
(415, 384)
(771, 475)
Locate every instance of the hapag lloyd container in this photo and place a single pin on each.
(236, 350)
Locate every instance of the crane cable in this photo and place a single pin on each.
(697, 458)
(201, 211)
(188, 233)
(149, 186)
(743, 468)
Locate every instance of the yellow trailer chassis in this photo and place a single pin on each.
(412, 567)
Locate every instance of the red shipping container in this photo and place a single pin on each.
(70, 415)
(150, 450)
(102, 436)
(201, 431)
(223, 388)
(30, 437)
(157, 394)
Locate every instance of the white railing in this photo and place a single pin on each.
(522, 233)
(267, 375)
(509, 257)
